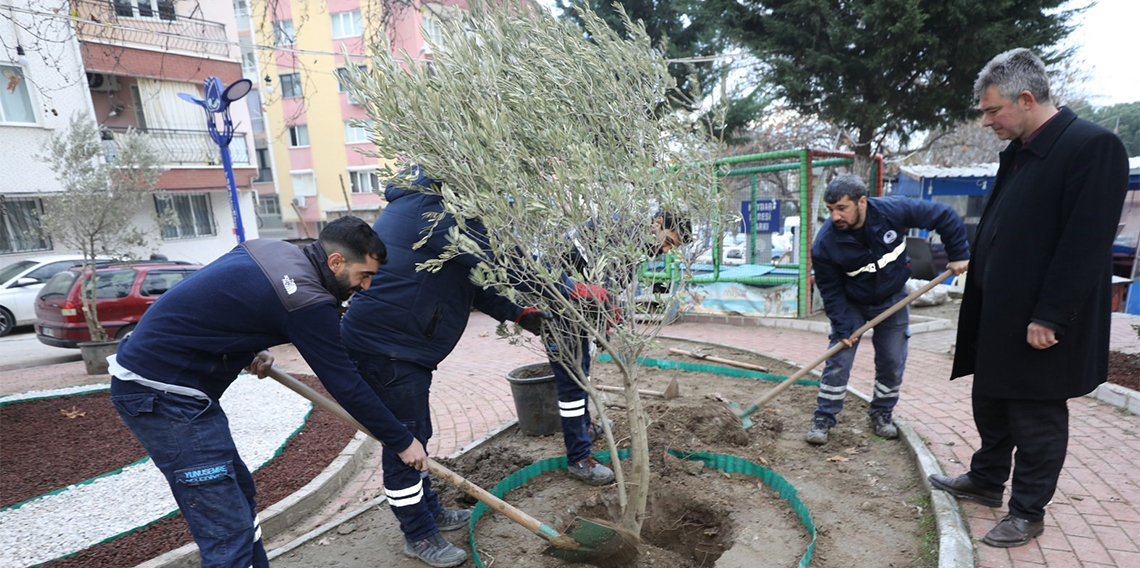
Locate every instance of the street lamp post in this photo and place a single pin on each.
(218, 102)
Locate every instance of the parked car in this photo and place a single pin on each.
(21, 281)
(123, 292)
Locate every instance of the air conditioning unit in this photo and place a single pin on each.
(299, 201)
(103, 82)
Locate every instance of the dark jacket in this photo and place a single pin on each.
(262, 293)
(418, 316)
(1044, 253)
(871, 266)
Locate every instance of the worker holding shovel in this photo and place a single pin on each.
(168, 376)
(861, 270)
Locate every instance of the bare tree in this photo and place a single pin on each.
(562, 149)
(95, 210)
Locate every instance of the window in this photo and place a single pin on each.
(304, 185)
(283, 33)
(248, 61)
(185, 215)
(342, 80)
(45, 272)
(264, 172)
(241, 13)
(20, 228)
(15, 101)
(364, 181)
(161, 9)
(356, 134)
(432, 30)
(136, 101)
(114, 284)
(157, 282)
(268, 205)
(291, 85)
(298, 136)
(347, 24)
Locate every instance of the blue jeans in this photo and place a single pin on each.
(573, 404)
(189, 440)
(403, 388)
(890, 342)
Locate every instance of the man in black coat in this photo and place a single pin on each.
(1034, 323)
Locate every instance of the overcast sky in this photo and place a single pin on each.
(1106, 36)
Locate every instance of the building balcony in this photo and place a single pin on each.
(150, 23)
(182, 147)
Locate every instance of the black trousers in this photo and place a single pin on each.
(1039, 432)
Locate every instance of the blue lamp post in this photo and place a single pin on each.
(218, 102)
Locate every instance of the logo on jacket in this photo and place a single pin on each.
(890, 236)
(290, 285)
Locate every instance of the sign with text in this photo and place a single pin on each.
(767, 216)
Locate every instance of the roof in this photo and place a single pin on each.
(926, 172)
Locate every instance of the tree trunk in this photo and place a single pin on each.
(634, 514)
(862, 165)
(87, 295)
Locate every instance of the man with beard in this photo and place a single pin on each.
(169, 375)
(861, 269)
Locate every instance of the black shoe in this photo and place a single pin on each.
(435, 551)
(817, 433)
(883, 426)
(962, 488)
(452, 519)
(1013, 531)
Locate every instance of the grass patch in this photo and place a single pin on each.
(927, 536)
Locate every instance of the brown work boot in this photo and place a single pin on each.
(1013, 531)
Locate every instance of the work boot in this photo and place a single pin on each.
(596, 431)
(1013, 531)
(592, 472)
(963, 488)
(435, 551)
(883, 426)
(452, 519)
(817, 433)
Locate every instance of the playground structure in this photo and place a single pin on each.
(760, 289)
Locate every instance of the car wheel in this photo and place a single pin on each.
(124, 331)
(7, 322)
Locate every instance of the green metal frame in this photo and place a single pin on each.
(806, 160)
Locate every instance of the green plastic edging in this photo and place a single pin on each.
(723, 462)
(714, 369)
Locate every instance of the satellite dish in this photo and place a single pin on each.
(237, 90)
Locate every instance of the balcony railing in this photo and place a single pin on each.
(182, 147)
(121, 21)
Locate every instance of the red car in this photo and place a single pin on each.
(123, 292)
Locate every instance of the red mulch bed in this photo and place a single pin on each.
(44, 450)
(1124, 370)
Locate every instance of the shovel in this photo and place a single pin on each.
(585, 541)
(744, 412)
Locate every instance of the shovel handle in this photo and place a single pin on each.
(557, 539)
(768, 396)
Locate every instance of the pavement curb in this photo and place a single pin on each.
(292, 509)
(380, 501)
(1118, 396)
(954, 546)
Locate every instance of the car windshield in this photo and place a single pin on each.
(10, 272)
(60, 284)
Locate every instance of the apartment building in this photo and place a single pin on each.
(123, 64)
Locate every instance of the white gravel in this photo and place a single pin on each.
(262, 413)
(51, 393)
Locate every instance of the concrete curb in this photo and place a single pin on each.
(1118, 396)
(918, 324)
(954, 546)
(380, 501)
(292, 509)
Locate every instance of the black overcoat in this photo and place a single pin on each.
(1049, 260)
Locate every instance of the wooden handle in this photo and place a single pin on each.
(768, 396)
(608, 388)
(740, 364)
(530, 523)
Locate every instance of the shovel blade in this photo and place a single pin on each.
(598, 544)
(741, 413)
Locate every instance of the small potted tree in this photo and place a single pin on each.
(95, 210)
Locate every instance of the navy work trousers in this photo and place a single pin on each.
(573, 404)
(890, 343)
(403, 388)
(189, 440)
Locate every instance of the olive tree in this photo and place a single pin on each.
(562, 148)
(99, 198)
